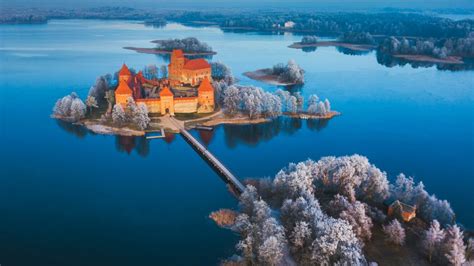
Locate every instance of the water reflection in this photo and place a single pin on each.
(390, 61)
(77, 130)
(251, 135)
(348, 51)
(128, 144)
(234, 135)
(309, 49)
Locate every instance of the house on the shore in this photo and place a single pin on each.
(401, 210)
(188, 88)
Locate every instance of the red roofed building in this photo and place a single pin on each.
(157, 94)
(187, 71)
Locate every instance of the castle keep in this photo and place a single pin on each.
(187, 89)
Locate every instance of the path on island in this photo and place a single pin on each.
(207, 156)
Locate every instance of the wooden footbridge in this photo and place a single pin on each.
(209, 157)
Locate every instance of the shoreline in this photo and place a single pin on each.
(214, 119)
(453, 60)
(351, 46)
(156, 51)
(264, 76)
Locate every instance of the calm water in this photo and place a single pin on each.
(68, 197)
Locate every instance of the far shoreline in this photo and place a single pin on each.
(157, 51)
(351, 46)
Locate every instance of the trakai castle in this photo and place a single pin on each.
(187, 89)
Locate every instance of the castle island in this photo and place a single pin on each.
(187, 89)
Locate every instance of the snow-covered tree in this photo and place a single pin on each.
(91, 102)
(355, 213)
(231, 100)
(118, 115)
(221, 71)
(78, 109)
(271, 251)
(327, 105)
(395, 232)
(454, 248)
(141, 118)
(432, 239)
(70, 107)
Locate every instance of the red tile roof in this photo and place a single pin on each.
(125, 71)
(196, 64)
(205, 85)
(166, 92)
(123, 88)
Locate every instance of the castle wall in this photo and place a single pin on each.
(153, 105)
(186, 105)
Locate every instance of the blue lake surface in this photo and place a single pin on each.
(69, 197)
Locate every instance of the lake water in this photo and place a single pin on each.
(69, 197)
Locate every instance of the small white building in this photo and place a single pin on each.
(289, 24)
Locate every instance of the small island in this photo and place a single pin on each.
(279, 74)
(413, 50)
(193, 91)
(190, 47)
(360, 42)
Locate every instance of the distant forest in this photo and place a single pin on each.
(394, 32)
(386, 23)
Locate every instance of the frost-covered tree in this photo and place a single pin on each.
(220, 71)
(355, 213)
(395, 233)
(271, 251)
(70, 108)
(62, 108)
(118, 115)
(432, 239)
(231, 100)
(141, 118)
(454, 248)
(78, 109)
(91, 102)
(327, 105)
(293, 73)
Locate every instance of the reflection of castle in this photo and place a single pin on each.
(177, 94)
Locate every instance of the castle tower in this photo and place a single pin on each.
(122, 93)
(175, 68)
(205, 96)
(125, 74)
(167, 101)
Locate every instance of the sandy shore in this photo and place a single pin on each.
(351, 46)
(98, 128)
(265, 76)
